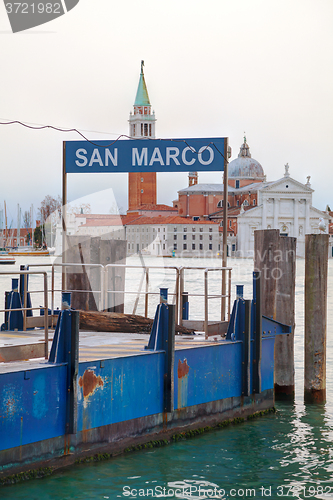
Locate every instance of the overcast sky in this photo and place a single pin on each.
(213, 68)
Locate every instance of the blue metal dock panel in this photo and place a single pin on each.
(206, 374)
(32, 405)
(267, 363)
(122, 389)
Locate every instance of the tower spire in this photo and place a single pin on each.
(141, 186)
(142, 97)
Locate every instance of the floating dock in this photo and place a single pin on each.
(103, 392)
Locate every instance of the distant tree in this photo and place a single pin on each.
(115, 210)
(27, 219)
(48, 206)
(38, 237)
(84, 208)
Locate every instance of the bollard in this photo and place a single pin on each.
(185, 305)
(65, 300)
(275, 259)
(315, 309)
(164, 295)
(15, 282)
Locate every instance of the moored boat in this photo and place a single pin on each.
(27, 251)
(5, 258)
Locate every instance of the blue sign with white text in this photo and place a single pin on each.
(145, 155)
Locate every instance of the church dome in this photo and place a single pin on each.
(245, 167)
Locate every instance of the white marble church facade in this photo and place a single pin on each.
(285, 204)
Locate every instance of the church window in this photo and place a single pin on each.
(141, 191)
(184, 236)
(246, 203)
(201, 229)
(210, 236)
(201, 246)
(149, 129)
(210, 246)
(237, 203)
(185, 229)
(287, 185)
(175, 229)
(193, 246)
(230, 223)
(146, 129)
(141, 128)
(210, 229)
(220, 204)
(193, 229)
(175, 246)
(174, 236)
(193, 236)
(141, 179)
(201, 237)
(145, 111)
(133, 130)
(163, 246)
(184, 246)
(237, 184)
(253, 202)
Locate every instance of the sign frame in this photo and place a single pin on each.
(195, 152)
(145, 155)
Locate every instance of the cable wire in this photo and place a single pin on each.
(59, 129)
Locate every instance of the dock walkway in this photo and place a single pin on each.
(93, 345)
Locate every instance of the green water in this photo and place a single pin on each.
(288, 454)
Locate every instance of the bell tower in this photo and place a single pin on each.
(141, 186)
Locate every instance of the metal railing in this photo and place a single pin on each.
(25, 308)
(144, 279)
(104, 292)
(221, 296)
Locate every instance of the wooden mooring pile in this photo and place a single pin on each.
(275, 259)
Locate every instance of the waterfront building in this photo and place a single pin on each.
(159, 236)
(254, 203)
(173, 236)
(12, 238)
